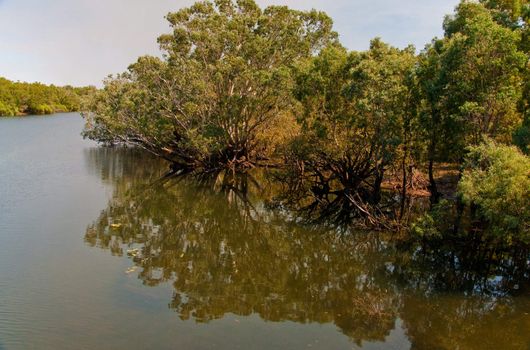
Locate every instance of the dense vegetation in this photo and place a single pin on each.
(18, 98)
(239, 86)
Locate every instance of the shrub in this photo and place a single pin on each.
(496, 181)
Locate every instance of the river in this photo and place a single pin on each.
(97, 251)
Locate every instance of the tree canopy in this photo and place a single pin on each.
(226, 74)
(497, 181)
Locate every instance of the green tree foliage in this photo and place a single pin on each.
(34, 98)
(472, 85)
(495, 213)
(354, 108)
(481, 68)
(225, 77)
(497, 182)
(515, 14)
(511, 13)
(7, 109)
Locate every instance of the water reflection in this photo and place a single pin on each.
(225, 250)
(455, 322)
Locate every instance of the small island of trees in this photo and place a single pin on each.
(240, 87)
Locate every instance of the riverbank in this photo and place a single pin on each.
(18, 115)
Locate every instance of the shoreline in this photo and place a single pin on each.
(22, 115)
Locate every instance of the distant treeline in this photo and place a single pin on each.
(19, 98)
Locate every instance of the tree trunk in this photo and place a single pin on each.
(459, 208)
(376, 194)
(435, 196)
(403, 186)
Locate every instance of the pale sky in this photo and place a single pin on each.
(80, 42)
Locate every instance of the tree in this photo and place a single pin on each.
(497, 182)
(354, 108)
(472, 84)
(225, 76)
(484, 68)
(433, 124)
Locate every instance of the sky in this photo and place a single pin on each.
(80, 42)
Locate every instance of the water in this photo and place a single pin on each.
(96, 251)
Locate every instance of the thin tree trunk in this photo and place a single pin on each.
(403, 184)
(376, 195)
(435, 196)
(459, 209)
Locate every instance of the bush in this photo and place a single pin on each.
(435, 224)
(40, 109)
(496, 181)
(7, 110)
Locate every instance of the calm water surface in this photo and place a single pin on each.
(97, 252)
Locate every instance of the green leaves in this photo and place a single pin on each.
(225, 77)
(472, 81)
(355, 112)
(497, 180)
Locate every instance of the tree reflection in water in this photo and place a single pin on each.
(226, 251)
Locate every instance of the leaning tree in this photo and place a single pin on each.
(225, 76)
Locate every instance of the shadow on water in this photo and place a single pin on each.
(225, 249)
